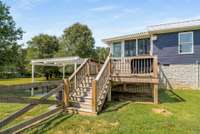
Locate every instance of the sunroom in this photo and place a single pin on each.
(139, 44)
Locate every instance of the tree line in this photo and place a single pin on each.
(76, 40)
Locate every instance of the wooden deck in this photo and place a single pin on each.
(136, 70)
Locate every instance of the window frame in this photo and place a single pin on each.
(113, 45)
(125, 45)
(179, 43)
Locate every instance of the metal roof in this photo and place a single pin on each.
(61, 61)
(176, 25)
(130, 36)
(161, 28)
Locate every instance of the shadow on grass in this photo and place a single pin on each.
(169, 96)
(114, 106)
(165, 96)
(49, 124)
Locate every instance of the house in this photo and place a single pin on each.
(177, 46)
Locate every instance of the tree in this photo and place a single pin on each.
(77, 40)
(9, 35)
(42, 46)
(101, 53)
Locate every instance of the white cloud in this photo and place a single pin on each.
(131, 11)
(124, 12)
(103, 8)
(26, 4)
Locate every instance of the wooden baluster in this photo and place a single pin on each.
(141, 66)
(145, 68)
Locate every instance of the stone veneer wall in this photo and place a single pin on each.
(180, 76)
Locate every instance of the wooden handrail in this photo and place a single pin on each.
(103, 68)
(99, 84)
(134, 57)
(78, 69)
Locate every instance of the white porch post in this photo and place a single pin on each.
(63, 71)
(151, 45)
(111, 50)
(33, 79)
(122, 48)
(136, 47)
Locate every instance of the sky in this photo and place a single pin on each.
(106, 18)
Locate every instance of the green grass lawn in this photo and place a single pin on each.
(128, 118)
(117, 117)
(7, 109)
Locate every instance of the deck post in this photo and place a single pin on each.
(110, 67)
(124, 86)
(155, 66)
(66, 92)
(63, 71)
(75, 67)
(94, 96)
(155, 93)
(33, 79)
(88, 69)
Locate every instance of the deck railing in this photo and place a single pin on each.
(99, 85)
(138, 66)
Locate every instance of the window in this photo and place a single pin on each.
(185, 43)
(117, 49)
(143, 46)
(130, 48)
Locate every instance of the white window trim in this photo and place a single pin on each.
(179, 43)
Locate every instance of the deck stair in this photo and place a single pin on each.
(89, 86)
(81, 98)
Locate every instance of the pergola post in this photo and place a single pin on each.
(33, 79)
(63, 71)
(75, 66)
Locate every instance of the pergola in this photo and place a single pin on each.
(58, 62)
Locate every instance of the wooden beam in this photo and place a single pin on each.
(135, 80)
(94, 96)
(30, 123)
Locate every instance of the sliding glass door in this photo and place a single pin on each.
(130, 48)
(144, 46)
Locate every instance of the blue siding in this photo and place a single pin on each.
(166, 47)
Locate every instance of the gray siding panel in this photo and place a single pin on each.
(166, 47)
